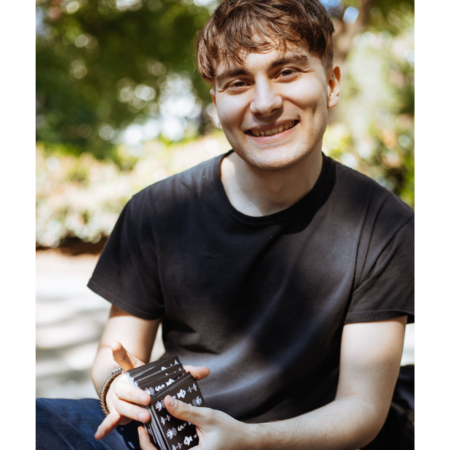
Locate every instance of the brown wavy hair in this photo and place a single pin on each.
(238, 27)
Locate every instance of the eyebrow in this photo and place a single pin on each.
(288, 58)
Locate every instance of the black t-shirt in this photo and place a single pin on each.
(262, 301)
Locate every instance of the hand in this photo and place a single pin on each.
(123, 398)
(215, 429)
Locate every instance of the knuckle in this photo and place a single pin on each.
(210, 416)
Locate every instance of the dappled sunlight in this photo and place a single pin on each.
(69, 321)
(82, 197)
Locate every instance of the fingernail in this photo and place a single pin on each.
(97, 435)
(145, 399)
(140, 431)
(143, 416)
(171, 401)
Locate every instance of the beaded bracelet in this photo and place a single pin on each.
(112, 376)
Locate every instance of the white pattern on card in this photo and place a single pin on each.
(165, 419)
(171, 433)
(187, 440)
(159, 405)
(181, 394)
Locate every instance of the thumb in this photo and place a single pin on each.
(183, 411)
(125, 360)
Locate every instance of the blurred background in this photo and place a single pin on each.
(120, 105)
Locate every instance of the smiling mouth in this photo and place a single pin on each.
(275, 130)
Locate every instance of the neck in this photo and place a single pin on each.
(256, 192)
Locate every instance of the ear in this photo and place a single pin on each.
(213, 95)
(334, 83)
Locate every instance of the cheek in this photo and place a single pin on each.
(230, 112)
(309, 96)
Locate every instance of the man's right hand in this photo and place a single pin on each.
(123, 398)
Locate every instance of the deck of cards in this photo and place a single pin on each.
(161, 378)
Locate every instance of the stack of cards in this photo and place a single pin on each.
(161, 378)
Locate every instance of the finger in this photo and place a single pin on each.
(132, 411)
(129, 393)
(111, 421)
(197, 416)
(144, 440)
(125, 360)
(198, 372)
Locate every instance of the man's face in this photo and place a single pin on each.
(274, 107)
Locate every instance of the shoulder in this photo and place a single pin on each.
(172, 195)
(191, 178)
(359, 195)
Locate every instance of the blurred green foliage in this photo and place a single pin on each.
(81, 197)
(100, 64)
(374, 130)
(105, 67)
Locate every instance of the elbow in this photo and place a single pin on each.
(373, 424)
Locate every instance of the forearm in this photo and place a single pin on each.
(344, 424)
(103, 365)
(135, 334)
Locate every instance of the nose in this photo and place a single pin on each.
(266, 100)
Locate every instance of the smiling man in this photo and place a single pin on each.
(285, 273)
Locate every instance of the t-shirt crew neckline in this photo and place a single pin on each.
(279, 216)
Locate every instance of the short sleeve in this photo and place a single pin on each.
(127, 271)
(387, 289)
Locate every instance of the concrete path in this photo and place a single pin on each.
(69, 321)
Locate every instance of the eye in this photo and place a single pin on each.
(236, 85)
(287, 73)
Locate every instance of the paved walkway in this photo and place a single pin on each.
(70, 319)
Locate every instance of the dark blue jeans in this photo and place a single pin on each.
(71, 424)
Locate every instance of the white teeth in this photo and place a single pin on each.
(273, 131)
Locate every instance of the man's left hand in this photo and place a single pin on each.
(215, 429)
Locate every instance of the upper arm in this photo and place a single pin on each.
(135, 334)
(370, 362)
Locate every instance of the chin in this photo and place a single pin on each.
(272, 160)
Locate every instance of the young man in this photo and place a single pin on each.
(283, 275)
